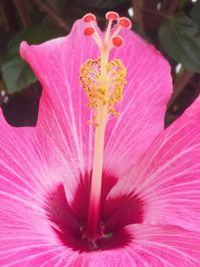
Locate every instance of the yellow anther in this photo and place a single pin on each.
(103, 90)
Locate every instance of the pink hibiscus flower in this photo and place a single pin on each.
(146, 212)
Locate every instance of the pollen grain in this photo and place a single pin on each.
(105, 90)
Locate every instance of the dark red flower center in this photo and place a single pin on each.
(69, 222)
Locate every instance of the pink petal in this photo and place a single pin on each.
(148, 246)
(63, 110)
(165, 246)
(143, 106)
(167, 177)
(26, 177)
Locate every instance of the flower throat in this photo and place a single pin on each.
(103, 82)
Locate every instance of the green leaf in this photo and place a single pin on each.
(16, 73)
(195, 14)
(180, 39)
(183, 3)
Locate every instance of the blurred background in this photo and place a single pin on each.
(173, 26)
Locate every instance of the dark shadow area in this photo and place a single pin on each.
(22, 107)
